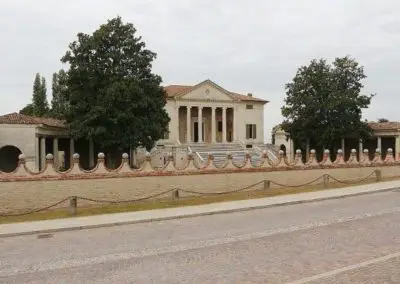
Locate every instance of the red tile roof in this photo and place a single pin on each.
(176, 90)
(388, 126)
(17, 118)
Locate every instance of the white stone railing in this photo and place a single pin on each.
(23, 173)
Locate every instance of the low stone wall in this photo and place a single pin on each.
(24, 189)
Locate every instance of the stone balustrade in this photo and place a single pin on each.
(23, 173)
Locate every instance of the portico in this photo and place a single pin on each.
(209, 114)
(206, 124)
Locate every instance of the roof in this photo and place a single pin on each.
(388, 126)
(174, 91)
(17, 118)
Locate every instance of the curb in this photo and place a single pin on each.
(189, 215)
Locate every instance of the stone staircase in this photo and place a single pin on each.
(272, 151)
(219, 151)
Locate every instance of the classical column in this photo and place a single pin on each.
(343, 147)
(224, 125)
(71, 151)
(55, 152)
(234, 124)
(188, 125)
(37, 156)
(42, 152)
(360, 149)
(292, 151)
(397, 147)
(213, 122)
(379, 142)
(91, 153)
(200, 123)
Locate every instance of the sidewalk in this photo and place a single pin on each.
(77, 223)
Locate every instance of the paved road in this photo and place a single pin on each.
(352, 240)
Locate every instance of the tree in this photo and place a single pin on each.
(114, 98)
(39, 97)
(39, 106)
(59, 102)
(27, 110)
(324, 103)
(382, 120)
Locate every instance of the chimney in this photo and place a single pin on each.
(250, 94)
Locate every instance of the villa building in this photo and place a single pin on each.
(204, 118)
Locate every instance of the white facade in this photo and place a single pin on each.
(226, 117)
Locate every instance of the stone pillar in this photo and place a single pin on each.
(213, 122)
(188, 125)
(91, 153)
(224, 125)
(200, 123)
(55, 153)
(360, 149)
(42, 152)
(292, 152)
(234, 124)
(397, 148)
(37, 153)
(379, 142)
(343, 148)
(71, 151)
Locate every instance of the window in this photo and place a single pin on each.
(251, 131)
(249, 106)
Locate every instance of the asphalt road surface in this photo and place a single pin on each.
(351, 240)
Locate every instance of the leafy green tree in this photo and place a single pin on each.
(382, 120)
(324, 103)
(114, 98)
(27, 110)
(60, 101)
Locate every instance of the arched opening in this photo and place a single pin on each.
(283, 148)
(9, 158)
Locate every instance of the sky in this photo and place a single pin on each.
(250, 46)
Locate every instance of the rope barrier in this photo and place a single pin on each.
(36, 210)
(188, 191)
(126, 201)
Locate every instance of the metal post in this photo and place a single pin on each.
(326, 181)
(73, 204)
(378, 174)
(175, 194)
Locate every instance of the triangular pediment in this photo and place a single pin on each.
(206, 90)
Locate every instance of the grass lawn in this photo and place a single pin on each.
(96, 209)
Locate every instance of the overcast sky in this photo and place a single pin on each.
(244, 46)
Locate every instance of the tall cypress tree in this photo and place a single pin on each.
(59, 102)
(39, 97)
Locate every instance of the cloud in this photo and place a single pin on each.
(248, 46)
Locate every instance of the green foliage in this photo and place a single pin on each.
(382, 120)
(324, 103)
(114, 98)
(39, 106)
(27, 110)
(60, 100)
(39, 97)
